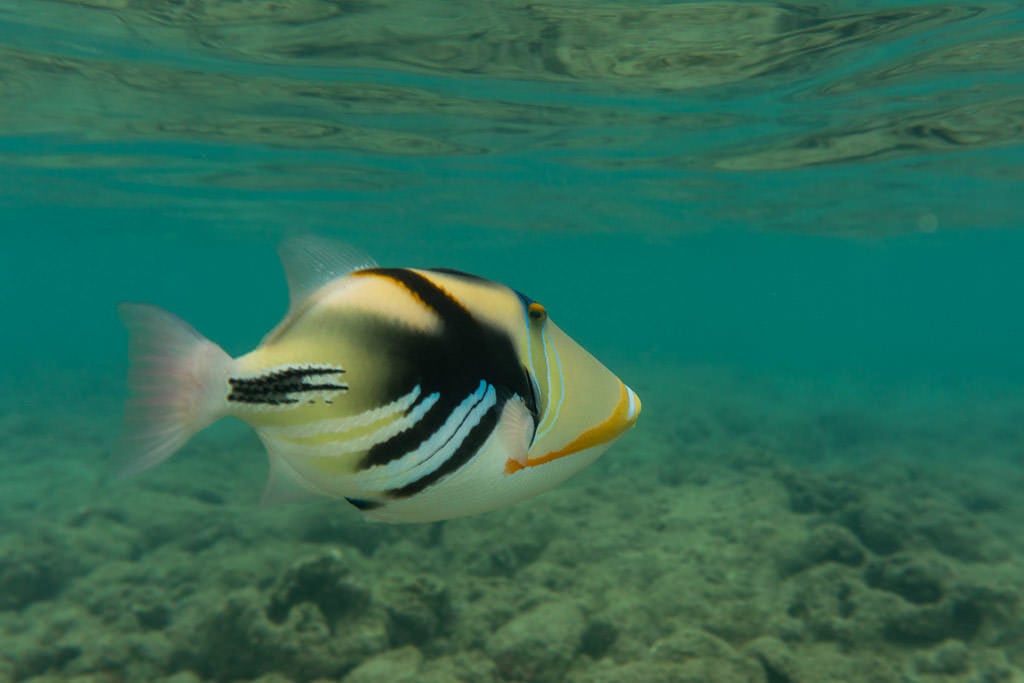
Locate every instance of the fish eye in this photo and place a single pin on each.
(537, 312)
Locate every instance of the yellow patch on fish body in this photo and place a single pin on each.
(416, 394)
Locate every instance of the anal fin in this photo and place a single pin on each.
(284, 485)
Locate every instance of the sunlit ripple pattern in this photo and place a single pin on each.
(698, 114)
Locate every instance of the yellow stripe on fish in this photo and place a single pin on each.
(416, 394)
(626, 412)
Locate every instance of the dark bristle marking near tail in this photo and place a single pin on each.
(280, 387)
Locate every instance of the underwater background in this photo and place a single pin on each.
(795, 229)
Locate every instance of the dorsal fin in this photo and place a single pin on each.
(311, 262)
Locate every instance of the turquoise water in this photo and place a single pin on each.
(795, 227)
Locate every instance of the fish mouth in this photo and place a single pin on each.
(633, 408)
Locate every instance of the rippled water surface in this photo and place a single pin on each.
(831, 117)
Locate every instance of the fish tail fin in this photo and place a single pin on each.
(178, 381)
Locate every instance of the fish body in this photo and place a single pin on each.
(416, 394)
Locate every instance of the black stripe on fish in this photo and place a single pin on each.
(451, 363)
(462, 274)
(471, 443)
(441, 302)
(410, 439)
(286, 386)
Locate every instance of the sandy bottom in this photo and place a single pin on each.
(760, 534)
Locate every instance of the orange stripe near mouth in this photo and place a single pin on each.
(618, 422)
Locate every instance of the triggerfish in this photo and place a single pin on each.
(415, 394)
